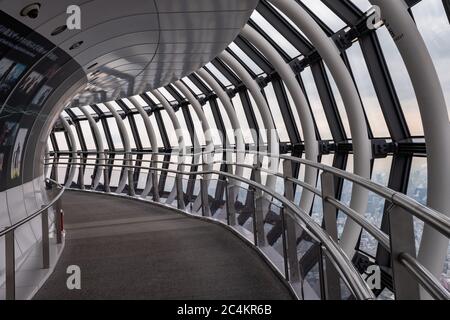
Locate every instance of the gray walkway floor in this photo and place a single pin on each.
(132, 250)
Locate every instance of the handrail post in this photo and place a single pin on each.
(45, 240)
(289, 228)
(180, 195)
(291, 248)
(284, 242)
(10, 266)
(230, 199)
(58, 221)
(206, 212)
(106, 177)
(329, 211)
(155, 185)
(331, 275)
(131, 182)
(402, 238)
(259, 209)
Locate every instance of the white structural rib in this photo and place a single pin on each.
(209, 148)
(153, 144)
(261, 104)
(128, 172)
(99, 145)
(434, 114)
(231, 112)
(358, 126)
(73, 151)
(180, 137)
(306, 118)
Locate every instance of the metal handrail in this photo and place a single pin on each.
(379, 235)
(433, 218)
(358, 218)
(350, 275)
(37, 212)
(425, 277)
(8, 233)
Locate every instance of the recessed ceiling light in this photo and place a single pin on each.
(76, 45)
(58, 30)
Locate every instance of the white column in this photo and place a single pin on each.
(173, 117)
(231, 112)
(180, 137)
(73, 151)
(153, 144)
(261, 104)
(209, 148)
(100, 148)
(434, 114)
(361, 144)
(127, 146)
(304, 112)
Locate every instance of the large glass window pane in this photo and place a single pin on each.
(276, 113)
(126, 122)
(115, 133)
(325, 14)
(115, 172)
(259, 121)
(102, 134)
(367, 92)
(130, 105)
(219, 76)
(216, 136)
(316, 104)
(75, 136)
(227, 123)
(77, 112)
(50, 145)
(417, 185)
(168, 124)
(417, 189)
(103, 108)
(91, 111)
(339, 102)
(273, 33)
(145, 140)
(375, 205)
(87, 135)
(166, 94)
(197, 126)
(363, 5)
(139, 100)
(294, 110)
(157, 132)
(402, 82)
(185, 131)
(346, 196)
(192, 86)
(246, 132)
(62, 141)
(245, 59)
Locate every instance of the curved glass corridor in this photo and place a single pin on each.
(315, 130)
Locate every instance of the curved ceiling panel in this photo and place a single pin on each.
(127, 47)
